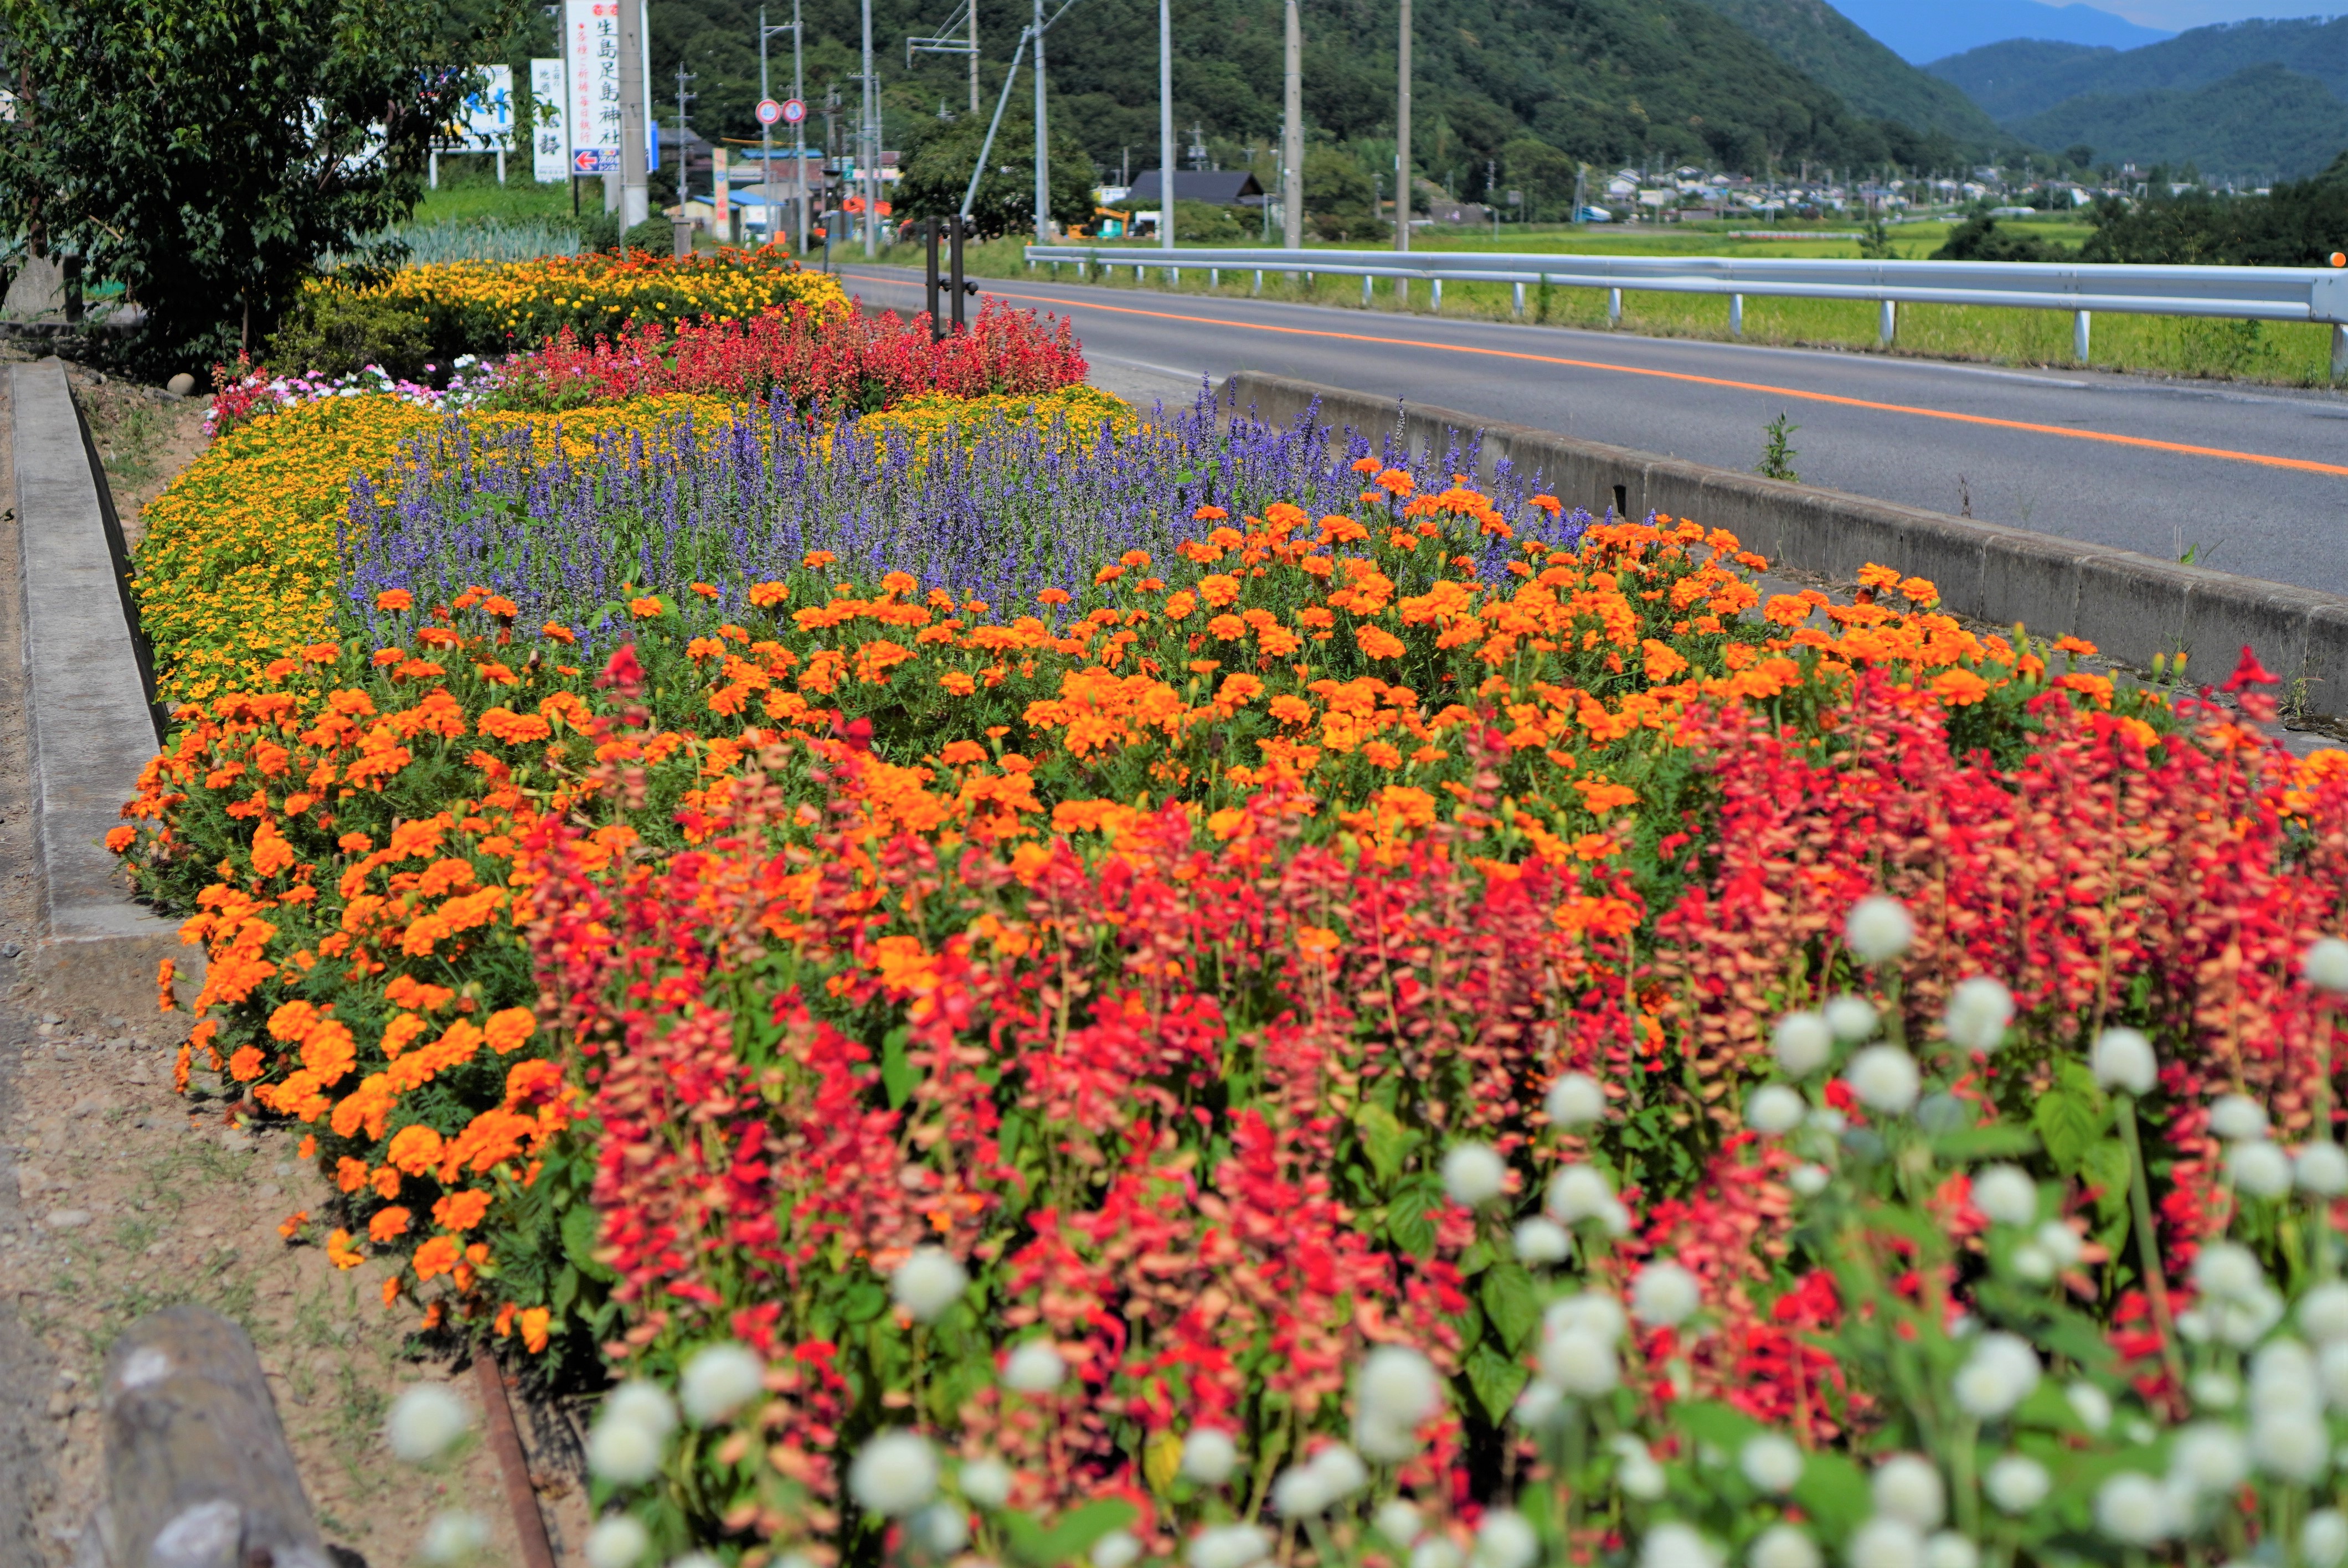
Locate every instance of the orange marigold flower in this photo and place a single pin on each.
(898, 583)
(245, 1065)
(509, 1029)
(1367, 465)
(1873, 576)
(1549, 504)
(557, 631)
(957, 752)
(1179, 606)
(291, 1223)
(958, 682)
(1919, 591)
(165, 972)
(1053, 596)
(414, 1150)
(644, 608)
(388, 1225)
(1377, 642)
(394, 599)
(119, 839)
(1292, 710)
(350, 1174)
(706, 590)
(1216, 514)
(2078, 645)
(534, 1321)
(438, 1256)
(1959, 688)
(339, 1250)
(816, 560)
(763, 594)
(1395, 482)
(461, 1211)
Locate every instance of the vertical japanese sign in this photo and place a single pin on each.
(549, 124)
(721, 194)
(591, 52)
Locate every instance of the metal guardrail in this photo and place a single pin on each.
(2253, 294)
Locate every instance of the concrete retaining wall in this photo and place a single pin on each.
(2131, 606)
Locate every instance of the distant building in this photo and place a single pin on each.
(1226, 187)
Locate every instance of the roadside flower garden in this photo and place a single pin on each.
(1033, 985)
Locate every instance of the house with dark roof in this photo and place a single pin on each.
(1215, 188)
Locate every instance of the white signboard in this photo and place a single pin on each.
(489, 113)
(550, 137)
(591, 53)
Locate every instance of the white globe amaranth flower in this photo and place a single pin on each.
(2006, 1194)
(1397, 1385)
(986, 1481)
(1538, 1406)
(2002, 1371)
(1878, 930)
(1341, 1470)
(2211, 1459)
(1437, 1552)
(1771, 1462)
(719, 1381)
(2215, 1391)
(457, 1535)
(617, 1542)
(425, 1422)
(2323, 1539)
(1579, 1363)
(2090, 1405)
(938, 1531)
(1801, 1041)
(1774, 1109)
(1539, 1241)
(1636, 1474)
(1574, 1100)
(2235, 1117)
(2291, 1445)
(1299, 1493)
(2331, 1374)
(2227, 1271)
(2132, 1509)
(2260, 1169)
(2059, 1242)
(1782, 1546)
(2016, 1483)
(1118, 1549)
(2283, 1377)
(2321, 1169)
(1504, 1540)
(622, 1452)
(1885, 1541)
(704, 1560)
(1851, 1016)
(1946, 1549)
(1908, 1487)
(895, 1475)
(1229, 1546)
(1578, 1192)
(1884, 1077)
(1663, 1294)
(1035, 1367)
(1978, 1012)
(1473, 1174)
(1591, 1311)
(1808, 1180)
(1676, 1546)
(2123, 1060)
(640, 1403)
(2324, 1312)
(1208, 1456)
(2034, 1262)
(928, 1283)
(2243, 1324)
(2325, 964)
(1398, 1521)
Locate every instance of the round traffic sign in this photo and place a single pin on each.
(768, 112)
(794, 111)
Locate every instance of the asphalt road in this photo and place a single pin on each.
(2252, 480)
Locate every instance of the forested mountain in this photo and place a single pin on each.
(1833, 51)
(2016, 79)
(1922, 30)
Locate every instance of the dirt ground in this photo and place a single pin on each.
(119, 1196)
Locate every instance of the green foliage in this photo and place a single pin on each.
(334, 332)
(204, 153)
(2026, 77)
(656, 235)
(2299, 226)
(1777, 454)
(937, 171)
(1836, 53)
(1203, 223)
(1979, 239)
(1544, 174)
(2264, 120)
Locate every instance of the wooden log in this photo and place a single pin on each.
(197, 1473)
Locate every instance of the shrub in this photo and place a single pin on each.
(335, 333)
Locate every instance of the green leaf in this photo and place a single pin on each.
(2106, 1165)
(1834, 1492)
(579, 1224)
(1076, 1533)
(1384, 1140)
(1410, 1224)
(566, 1290)
(864, 1302)
(897, 1075)
(1720, 1425)
(1496, 1379)
(1511, 1304)
(2067, 1125)
(1998, 1140)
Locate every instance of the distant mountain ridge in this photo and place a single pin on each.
(1918, 33)
(1835, 52)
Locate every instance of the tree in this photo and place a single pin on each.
(204, 153)
(1979, 239)
(1545, 174)
(937, 171)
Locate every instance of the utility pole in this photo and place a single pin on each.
(1166, 125)
(636, 195)
(867, 152)
(1043, 144)
(798, 131)
(974, 56)
(683, 97)
(1291, 141)
(1402, 144)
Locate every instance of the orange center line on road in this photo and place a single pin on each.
(2263, 459)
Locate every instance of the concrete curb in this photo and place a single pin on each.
(2131, 606)
(89, 712)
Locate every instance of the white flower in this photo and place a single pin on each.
(617, 1542)
(2123, 1060)
(1118, 1549)
(2215, 1391)
(2331, 1372)
(2090, 1405)
(424, 1421)
(1397, 1521)
(2033, 1263)
(1397, 1385)
(2229, 1271)
(1591, 1311)
(1978, 1011)
(1676, 1545)
(1435, 1552)
(2210, 1459)
(896, 1474)
(2290, 1444)
(1229, 1546)
(2060, 1243)
(1575, 1099)
(1473, 1174)
(1782, 1546)
(1636, 1473)
(2323, 1312)
(1802, 1041)
(1578, 1192)
(623, 1452)
(1579, 1363)
(2326, 964)
(719, 1381)
(1540, 1241)
(928, 1283)
(1771, 1462)
(2283, 1379)
(1884, 1079)
(2235, 1117)
(2260, 1169)
(2323, 1539)
(1035, 1368)
(455, 1536)
(2000, 1374)
(986, 1481)
(1208, 1456)
(2322, 1169)
(1663, 1294)
(1300, 1494)
(1808, 1180)
(2132, 1509)
(2006, 1194)
(941, 1530)
(641, 1403)
(1505, 1540)
(1341, 1471)
(2243, 1324)
(1885, 1543)
(1851, 1016)
(1538, 1406)
(1946, 1549)
(2016, 1483)
(1908, 1488)
(1877, 929)
(1774, 1109)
